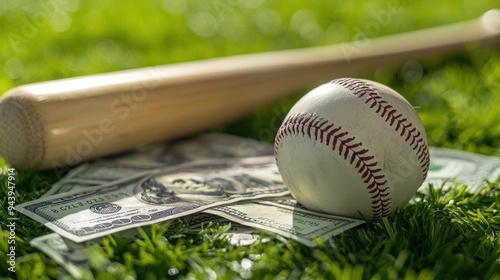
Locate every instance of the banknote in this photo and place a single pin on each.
(74, 257)
(97, 173)
(282, 216)
(447, 165)
(237, 235)
(474, 170)
(68, 186)
(159, 195)
(204, 146)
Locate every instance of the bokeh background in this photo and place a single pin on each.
(457, 96)
(449, 235)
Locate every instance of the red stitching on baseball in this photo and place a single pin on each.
(391, 115)
(312, 126)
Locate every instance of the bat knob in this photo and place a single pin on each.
(22, 142)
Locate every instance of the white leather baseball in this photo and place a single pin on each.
(353, 148)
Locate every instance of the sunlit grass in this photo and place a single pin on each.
(442, 235)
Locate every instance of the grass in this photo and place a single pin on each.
(441, 235)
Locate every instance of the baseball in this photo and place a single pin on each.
(353, 148)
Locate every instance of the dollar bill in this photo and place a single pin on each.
(449, 166)
(286, 218)
(156, 196)
(237, 235)
(102, 172)
(205, 146)
(74, 257)
(64, 186)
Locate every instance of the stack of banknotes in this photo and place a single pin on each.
(208, 178)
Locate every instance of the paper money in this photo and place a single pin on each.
(101, 172)
(281, 217)
(64, 186)
(237, 235)
(449, 166)
(156, 196)
(72, 257)
(204, 146)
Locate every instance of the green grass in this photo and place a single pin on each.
(442, 235)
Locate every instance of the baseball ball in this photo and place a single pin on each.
(353, 148)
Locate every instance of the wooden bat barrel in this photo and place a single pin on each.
(62, 122)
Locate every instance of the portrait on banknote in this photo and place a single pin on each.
(165, 189)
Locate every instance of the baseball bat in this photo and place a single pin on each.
(62, 122)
